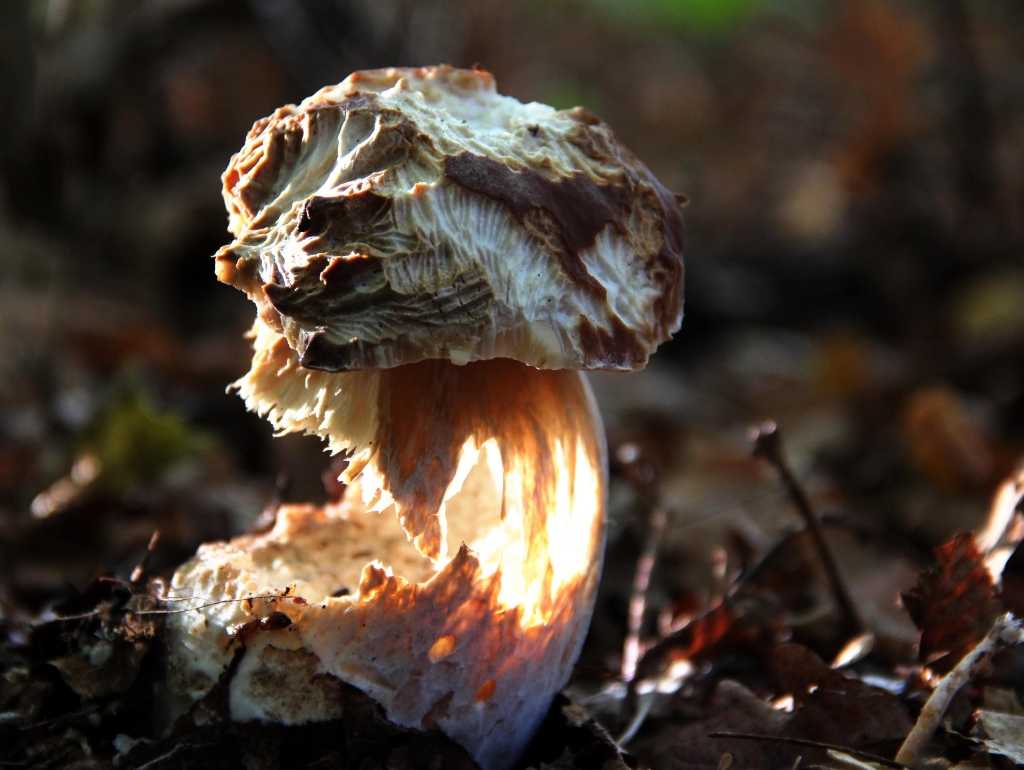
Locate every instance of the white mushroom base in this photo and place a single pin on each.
(435, 646)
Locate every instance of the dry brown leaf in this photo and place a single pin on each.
(954, 604)
(1001, 733)
(99, 649)
(832, 708)
(732, 709)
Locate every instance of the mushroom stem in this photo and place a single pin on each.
(496, 472)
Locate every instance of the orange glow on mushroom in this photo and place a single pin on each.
(484, 544)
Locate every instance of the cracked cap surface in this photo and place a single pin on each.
(408, 214)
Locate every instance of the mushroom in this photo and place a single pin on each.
(432, 263)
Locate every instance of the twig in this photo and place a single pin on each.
(767, 441)
(140, 568)
(1005, 632)
(644, 704)
(282, 597)
(814, 745)
(642, 476)
(161, 761)
(638, 598)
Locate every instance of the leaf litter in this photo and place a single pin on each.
(732, 672)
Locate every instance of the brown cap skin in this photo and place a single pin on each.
(408, 214)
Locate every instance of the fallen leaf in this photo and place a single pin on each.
(830, 707)
(1001, 733)
(99, 638)
(731, 709)
(101, 670)
(954, 604)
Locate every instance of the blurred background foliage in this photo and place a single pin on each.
(854, 256)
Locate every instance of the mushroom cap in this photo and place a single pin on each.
(408, 214)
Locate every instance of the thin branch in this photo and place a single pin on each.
(644, 705)
(814, 745)
(1005, 632)
(140, 568)
(282, 597)
(161, 761)
(638, 599)
(767, 441)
